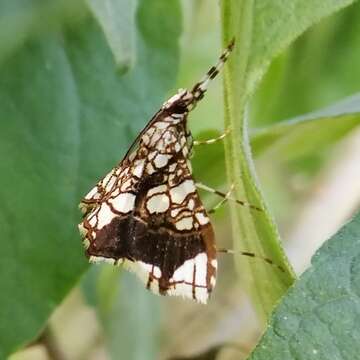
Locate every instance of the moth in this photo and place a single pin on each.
(146, 213)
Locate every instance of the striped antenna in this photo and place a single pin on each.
(200, 88)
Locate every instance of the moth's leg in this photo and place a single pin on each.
(223, 201)
(211, 141)
(224, 195)
(251, 254)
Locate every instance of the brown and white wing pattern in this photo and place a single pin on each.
(146, 213)
(114, 195)
(175, 240)
(151, 220)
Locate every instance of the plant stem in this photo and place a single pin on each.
(253, 231)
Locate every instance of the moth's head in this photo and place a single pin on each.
(180, 103)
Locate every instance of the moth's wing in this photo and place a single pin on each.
(164, 234)
(118, 177)
(113, 196)
(109, 182)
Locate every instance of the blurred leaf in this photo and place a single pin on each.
(117, 18)
(308, 133)
(275, 24)
(125, 308)
(315, 71)
(210, 354)
(20, 20)
(216, 352)
(318, 318)
(66, 118)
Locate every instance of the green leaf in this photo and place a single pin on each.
(277, 23)
(261, 29)
(21, 20)
(66, 118)
(124, 309)
(319, 316)
(117, 18)
(315, 71)
(253, 231)
(308, 133)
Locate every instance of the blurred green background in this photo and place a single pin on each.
(77, 82)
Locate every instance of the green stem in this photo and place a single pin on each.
(253, 231)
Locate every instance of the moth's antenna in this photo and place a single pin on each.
(200, 88)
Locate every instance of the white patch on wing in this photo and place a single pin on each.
(169, 138)
(184, 275)
(109, 185)
(174, 98)
(107, 178)
(182, 140)
(149, 168)
(191, 204)
(186, 223)
(172, 167)
(175, 212)
(201, 218)
(152, 155)
(161, 160)
(155, 137)
(126, 185)
(104, 216)
(92, 219)
(158, 204)
(201, 269)
(93, 194)
(132, 155)
(179, 193)
(184, 290)
(139, 168)
(185, 272)
(157, 272)
(116, 192)
(145, 138)
(201, 294)
(161, 125)
(156, 190)
(123, 203)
